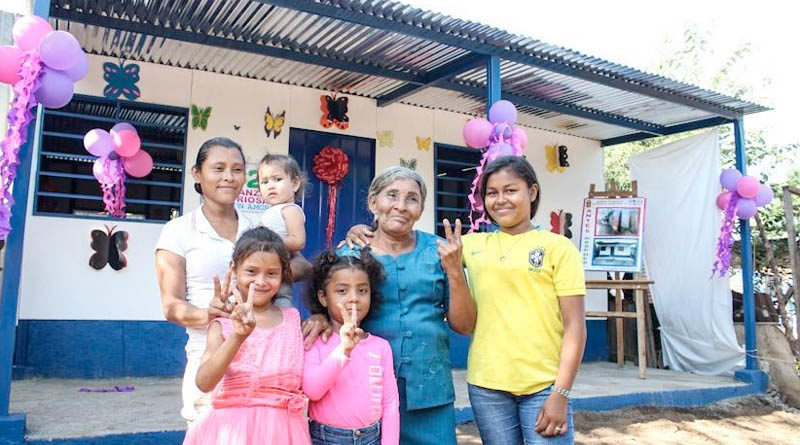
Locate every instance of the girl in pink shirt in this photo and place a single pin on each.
(350, 378)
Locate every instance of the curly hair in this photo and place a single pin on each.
(262, 239)
(329, 262)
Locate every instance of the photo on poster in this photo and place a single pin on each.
(617, 252)
(617, 221)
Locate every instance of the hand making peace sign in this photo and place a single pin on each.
(450, 251)
(350, 333)
(219, 306)
(243, 317)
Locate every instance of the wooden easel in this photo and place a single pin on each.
(644, 336)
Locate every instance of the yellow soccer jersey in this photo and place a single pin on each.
(516, 281)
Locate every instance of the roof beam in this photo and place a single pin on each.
(679, 128)
(238, 45)
(368, 19)
(649, 128)
(445, 72)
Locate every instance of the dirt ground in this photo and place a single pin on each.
(749, 420)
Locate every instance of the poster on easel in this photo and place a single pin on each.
(611, 234)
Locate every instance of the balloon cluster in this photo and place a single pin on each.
(119, 152)
(743, 197)
(63, 62)
(497, 137)
(41, 67)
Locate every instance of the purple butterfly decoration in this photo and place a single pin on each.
(121, 80)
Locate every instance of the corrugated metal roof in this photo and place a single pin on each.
(372, 48)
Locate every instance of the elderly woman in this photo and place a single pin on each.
(418, 295)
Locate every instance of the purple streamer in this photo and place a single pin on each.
(112, 182)
(490, 153)
(19, 116)
(725, 241)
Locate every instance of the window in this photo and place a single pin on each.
(65, 184)
(455, 170)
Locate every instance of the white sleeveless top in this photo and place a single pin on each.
(273, 218)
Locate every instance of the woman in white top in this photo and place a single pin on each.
(195, 249)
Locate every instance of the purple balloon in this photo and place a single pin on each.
(764, 195)
(505, 150)
(121, 126)
(745, 208)
(98, 169)
(729, 177)
(98, 142)
(503, 111)
(55, 89)
(79, 69)
(60, 50)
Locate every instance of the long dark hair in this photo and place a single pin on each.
(202, 154)
(520, 167)
(329, 262)
(262, 239)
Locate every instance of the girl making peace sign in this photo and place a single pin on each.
(350, 379)
(254, 358)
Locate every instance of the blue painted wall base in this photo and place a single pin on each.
(12, 429)
(755, 377)
(154, 438)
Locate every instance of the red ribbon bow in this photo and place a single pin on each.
(331, 166)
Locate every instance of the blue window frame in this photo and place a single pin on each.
(455, 169)
(65, 185)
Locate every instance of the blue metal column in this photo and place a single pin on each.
(12, 427)
(747, 258)
(751, 373)
(492, 81)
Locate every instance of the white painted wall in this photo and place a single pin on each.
(57, 282)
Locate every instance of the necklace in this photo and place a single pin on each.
(500, 248)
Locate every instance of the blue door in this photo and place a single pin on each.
(351, 204)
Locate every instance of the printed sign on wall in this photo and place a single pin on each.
(249, 201)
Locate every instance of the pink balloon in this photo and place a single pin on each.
(60, 50)
(79, 68)
(138, 165)
(55, 89)
(764, 196)
(747, 187)
(119, 126)
(476, 133)
(10, 63)
(518, 136)
(98, 142)
(723, 199)
(29, 31)
(745, 208)
(126, 142)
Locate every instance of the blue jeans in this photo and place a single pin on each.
(507, 419)
(322, 434)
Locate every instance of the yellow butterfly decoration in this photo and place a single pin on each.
(386, 138)
(274, 124)
(423, 144)
(552, 159)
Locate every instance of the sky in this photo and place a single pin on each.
(633, 33)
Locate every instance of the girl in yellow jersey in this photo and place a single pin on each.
(530, 331)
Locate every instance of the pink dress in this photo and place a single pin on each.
(259, 398)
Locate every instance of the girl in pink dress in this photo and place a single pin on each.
(254, 359)
(350, 378)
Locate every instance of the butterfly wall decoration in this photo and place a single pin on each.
(108, 248)
(561, 223)
(386, 138)
(237, 127)
(274, 124)
(410, 164)
(423, 144)
(553, 164)
(562, 156)
(121, 80)
(200, 117)
(334, 111)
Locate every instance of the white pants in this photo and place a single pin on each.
(195, 402)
